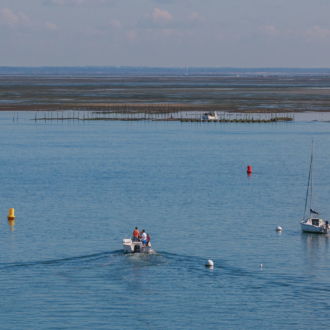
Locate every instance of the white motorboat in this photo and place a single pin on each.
(314, 224)
(135, 247)
(210, 116)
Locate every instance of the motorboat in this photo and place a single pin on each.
(135, 247)
(210, 116)
(314, 224)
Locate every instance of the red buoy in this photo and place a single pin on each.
(249, 169)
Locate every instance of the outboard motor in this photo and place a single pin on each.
(136, 248)
(327, 224)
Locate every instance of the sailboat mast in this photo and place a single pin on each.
(309, 180)
(312, 176)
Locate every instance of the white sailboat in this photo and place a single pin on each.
(314, 224)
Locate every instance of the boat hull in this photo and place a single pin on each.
(135, 247)
(210, 118)
(308, 228)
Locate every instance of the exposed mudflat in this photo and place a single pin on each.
(166, 94)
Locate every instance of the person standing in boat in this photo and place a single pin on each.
(148, 240)
(136, 235)
(144, 237)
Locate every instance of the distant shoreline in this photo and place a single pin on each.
(154, 71)
(150, 110)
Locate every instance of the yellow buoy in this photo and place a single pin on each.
(11, 214)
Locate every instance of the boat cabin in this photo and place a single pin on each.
(316, 222)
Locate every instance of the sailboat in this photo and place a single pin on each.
(314, 224)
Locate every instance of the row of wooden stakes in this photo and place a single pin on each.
(187, 120)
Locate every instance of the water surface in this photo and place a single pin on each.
(79, 188)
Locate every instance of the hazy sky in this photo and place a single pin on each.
(200, 33)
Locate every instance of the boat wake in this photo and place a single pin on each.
(118, 266)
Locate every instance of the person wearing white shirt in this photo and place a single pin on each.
(144, 237)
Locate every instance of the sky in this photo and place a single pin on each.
(165, 33)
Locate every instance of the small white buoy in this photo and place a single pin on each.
(260, 265)
(209, 263)
(279, 228)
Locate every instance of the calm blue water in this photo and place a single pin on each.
(79, 188)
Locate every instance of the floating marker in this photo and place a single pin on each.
(279, 228)
(260, 265)
(249, 169)
(11, 215)
(209, 263)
